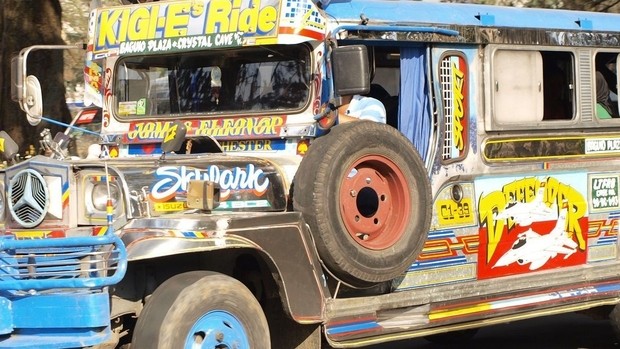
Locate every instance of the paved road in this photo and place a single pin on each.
(571, 331)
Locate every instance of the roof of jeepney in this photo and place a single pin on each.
(411, 12)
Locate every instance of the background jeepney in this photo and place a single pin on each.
(490, 195)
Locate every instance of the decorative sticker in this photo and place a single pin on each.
(451, 213)
(184, 25)
(172, 206)
(127, 108)
(602, 145)
(141, 106)
(87, 116)
(223, 128)
(454, 83)
(301, 17)
(604, 192)
(254, 145)
(93, 79)
(533, 223)
(171, 180)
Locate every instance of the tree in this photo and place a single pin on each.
(594, 5)
(25, 23)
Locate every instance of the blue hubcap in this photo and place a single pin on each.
(217, 329)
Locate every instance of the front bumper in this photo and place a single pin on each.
(64, 320)
(53, 292)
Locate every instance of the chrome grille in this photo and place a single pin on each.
(57, 263)
(28, 198)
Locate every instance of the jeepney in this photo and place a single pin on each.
(223, 205)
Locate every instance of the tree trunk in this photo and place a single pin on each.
(24, 23)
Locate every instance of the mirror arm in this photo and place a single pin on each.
(23, 56)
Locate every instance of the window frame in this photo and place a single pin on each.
(595, 68)
(493, 123)
(114, 103)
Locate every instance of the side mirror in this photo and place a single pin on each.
(17, 78)
(351, 70)
(26, 89)
(174, 137)
(27, 93)
(33, 105)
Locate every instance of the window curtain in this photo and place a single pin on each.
(414, 113)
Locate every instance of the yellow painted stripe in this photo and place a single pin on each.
(442, 314)
(101, 231)
(31, 234)
(65, 195)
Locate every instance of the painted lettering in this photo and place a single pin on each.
(249, 145)
(241, 127)
(184, 25)
(148, 130)
(613, 144)
(171, 134)
(244, 128)
(523, 191)
(172, 179)
(593, 145)
(121, 25)
(490, 205)
(604, 183)
(226, 16)
(458, 80)
(177, 19)
(107, 22)
(132, 47)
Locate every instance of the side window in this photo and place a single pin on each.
(517, 87)
(606, 85)
(558, 85)
(532, 86)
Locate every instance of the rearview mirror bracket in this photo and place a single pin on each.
(25, 89)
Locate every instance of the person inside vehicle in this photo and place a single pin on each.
(357, 107)
(603, 103)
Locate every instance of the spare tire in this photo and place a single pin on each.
(365, 194)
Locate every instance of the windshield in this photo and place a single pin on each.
(256, 79)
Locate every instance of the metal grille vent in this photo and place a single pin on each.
(586, 102)
(28, 198)
(445, 76)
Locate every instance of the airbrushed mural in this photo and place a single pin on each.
(530, 224)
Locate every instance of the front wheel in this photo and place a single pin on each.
(201, 309)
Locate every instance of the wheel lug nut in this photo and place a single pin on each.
(219, 337)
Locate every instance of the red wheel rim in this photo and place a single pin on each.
(374, 202)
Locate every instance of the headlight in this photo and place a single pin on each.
(92, 192)
(100, 195)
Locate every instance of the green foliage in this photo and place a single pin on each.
(75, 15)
(75, 26)
(594, 5)
(24, 23)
